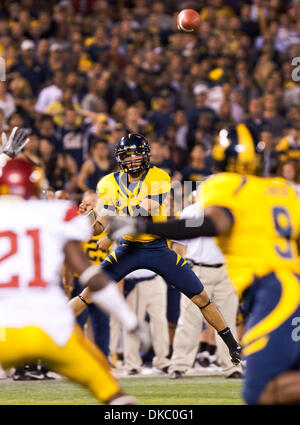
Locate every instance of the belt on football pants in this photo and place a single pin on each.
(214, 266)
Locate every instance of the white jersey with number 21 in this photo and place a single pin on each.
(33, 235)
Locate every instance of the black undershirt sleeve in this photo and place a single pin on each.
(182, 229)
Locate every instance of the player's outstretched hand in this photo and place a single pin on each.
(121, 226)
(142, 332)
(15, 143)
(236, 356)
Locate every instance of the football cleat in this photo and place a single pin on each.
(177, 374)
(235, 375)
(132, 372)
(28, 373)
(236, 355)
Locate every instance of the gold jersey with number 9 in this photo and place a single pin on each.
(266, 224)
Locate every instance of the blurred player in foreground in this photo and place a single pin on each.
(35, 319)
(257, 224)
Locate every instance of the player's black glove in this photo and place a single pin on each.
(15, 143)
(236, 355)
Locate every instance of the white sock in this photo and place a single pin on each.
(111, 301)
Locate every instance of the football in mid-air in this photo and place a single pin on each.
(188, 20)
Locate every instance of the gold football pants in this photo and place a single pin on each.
(79, 360)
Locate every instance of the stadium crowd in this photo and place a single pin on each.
(81, 74)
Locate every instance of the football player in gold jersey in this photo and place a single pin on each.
(36, 322)
(141, 189)
(257, 224)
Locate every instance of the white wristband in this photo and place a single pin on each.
(88, 273)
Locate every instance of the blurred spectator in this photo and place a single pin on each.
(99, 44)
(23, 99)
(51, 93)
(45, 129)
(264, 67)
(268, 143)
(29, 67)
(158, 159)
(50, 193)
(2, 119)
(119, 110)
(31, 150)
(200, 96)
(101, 69)
(57, 109)
(61, 195)
(117, 133)
(197, 169)
(181, 126)
(289, 170)
(272, 115)
(225, 116)
(237, 106)
(61, 172)
(46, 23)
(255, 120)
(16, 120)
(96, 167)
(160, 117)
(98, 89)
(7, 103)
(101, 126)
(128, 88)
(71, 137)
(134, 122)
(249, 26)
(46, 152)
(55, 60)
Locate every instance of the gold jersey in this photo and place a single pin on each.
(266, 226)
(125, 198)
(96, 255)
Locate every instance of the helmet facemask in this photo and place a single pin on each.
(133, 160)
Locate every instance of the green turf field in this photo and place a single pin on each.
(151, 391)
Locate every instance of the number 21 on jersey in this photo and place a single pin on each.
(34, 235)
